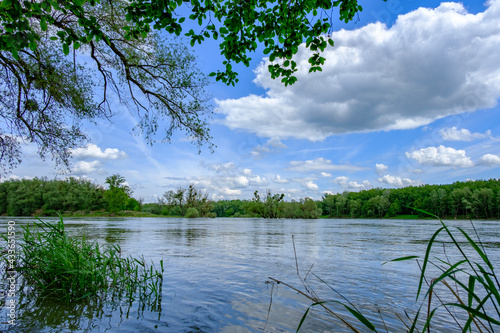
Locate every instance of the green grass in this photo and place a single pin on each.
(466, 289)
(55, 265)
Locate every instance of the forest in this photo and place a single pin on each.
(478, 199)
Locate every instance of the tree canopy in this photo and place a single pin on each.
(46, 91)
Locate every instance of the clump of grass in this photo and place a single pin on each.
(471, 285)
(55, 265)
(468, 284)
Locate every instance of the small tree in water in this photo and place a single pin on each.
(118, 194)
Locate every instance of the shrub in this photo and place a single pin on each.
(192, 212)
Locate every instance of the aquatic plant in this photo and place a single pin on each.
(55, 265)
(466, 288)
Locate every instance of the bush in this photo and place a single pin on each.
(192, 213)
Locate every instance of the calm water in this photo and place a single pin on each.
(216, 272)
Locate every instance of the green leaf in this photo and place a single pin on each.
(76, 45)
(32, 46)
(361, 318)
(5, 4)
(65, 49)
(43, 24)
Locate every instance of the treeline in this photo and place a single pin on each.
(43, 197)
(191, 202)
(472, 199)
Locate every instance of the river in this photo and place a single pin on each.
(216, 273)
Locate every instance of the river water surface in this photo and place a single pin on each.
(216, 274)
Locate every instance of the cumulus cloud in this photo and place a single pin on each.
(226, 180)
(352, 185)
(221, 167)
(92, 151)
(280, 180)
(455, 134)
(325, 174)
(441, 156)
(430, 64)
(84, 167)
(310, 185)
(230, 192)
(320, 164)
(272, 145)
(380, 169)
(397, 181)
(14, 177)
(489, 160)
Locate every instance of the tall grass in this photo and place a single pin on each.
(466, 289)
(55, 265)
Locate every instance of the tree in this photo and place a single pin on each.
(281, 26)
(130, 45)
(118, 194)
(44, 88)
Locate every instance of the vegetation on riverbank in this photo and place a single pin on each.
(466, 289)
(53, 264)
(73, 197)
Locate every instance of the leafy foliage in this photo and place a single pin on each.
(279, 25)
(471, 199)
(43, 90)
(43, 197)
(118, 194)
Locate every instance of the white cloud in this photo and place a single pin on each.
(14, 177)
(221, 168)
(455, 134)
(92, 151)
(326, 174)
(226, 180)
(247, 172)
(320, 164)
(398, 181)
(230, 192)
(280, 180)
(310, 185)
(441, 156)
(352, 185)
(430, 64)
(84, 167)
(272, 145)
(380, 169)
(489, 160)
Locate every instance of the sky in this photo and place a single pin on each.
(407, 96)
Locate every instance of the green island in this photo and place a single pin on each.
(478, 199)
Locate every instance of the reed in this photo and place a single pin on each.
(55, 265)
(467, 288)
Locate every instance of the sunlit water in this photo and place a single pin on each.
(216, 274)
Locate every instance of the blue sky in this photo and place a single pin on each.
(408, 96)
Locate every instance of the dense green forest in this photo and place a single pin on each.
(42, 197)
